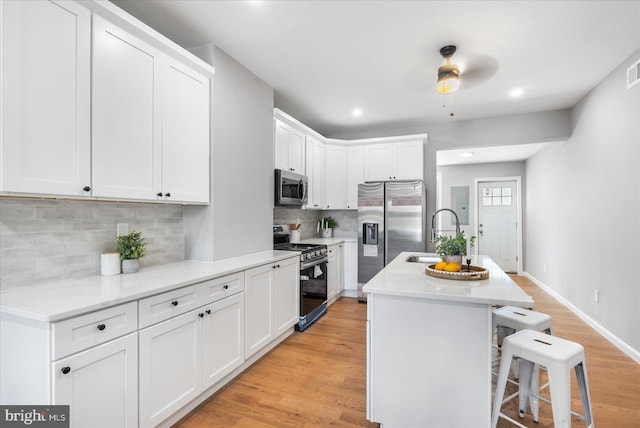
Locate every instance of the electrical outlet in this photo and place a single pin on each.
(122, 229)
(596, 295)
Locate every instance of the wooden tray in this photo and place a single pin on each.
(474, 273)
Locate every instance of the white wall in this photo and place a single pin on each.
(583, 209)
(239, 219)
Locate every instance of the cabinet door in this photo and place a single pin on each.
(408, 161)
(350, 265)
(336, 177)
(100, 385)
(170, 366)
(333, 274)
(315, 173)
(355, 175)
(222, 338)
(282, 133)
(185, 134)
(126, 150)
(378, 162)
(45, 103)
(296, 151)
(286, 295)
(258, 308)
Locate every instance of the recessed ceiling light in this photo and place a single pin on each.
(466, 154)
(515, 93)
(356, 112)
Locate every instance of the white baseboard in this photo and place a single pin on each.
(620, 344)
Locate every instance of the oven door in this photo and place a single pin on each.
(313, 286)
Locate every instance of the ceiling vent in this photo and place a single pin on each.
(633, 74)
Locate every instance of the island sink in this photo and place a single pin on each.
(423, 259)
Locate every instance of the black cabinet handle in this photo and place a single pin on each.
(86, 188)
(225, 287)
(101, 327)
(159, 194)
(174, 303)
(208, 311)
(200, 314)
(65, 370)
(168, 195)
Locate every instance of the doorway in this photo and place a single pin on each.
(499, 221)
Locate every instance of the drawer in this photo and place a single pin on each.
(82, 332)
(219, 288)
(167, 305)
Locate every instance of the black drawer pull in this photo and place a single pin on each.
(101, 327)
(65, 370)
(168, 195)
(225, 287)
(174, 303)
(86, 188)
(208, 311)
(200, 314)
(159, 194)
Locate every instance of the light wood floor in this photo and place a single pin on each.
(317, 378)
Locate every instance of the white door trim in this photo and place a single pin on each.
(476, 215)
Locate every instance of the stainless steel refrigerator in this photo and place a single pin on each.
(391, 219)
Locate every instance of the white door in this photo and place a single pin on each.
(497, 223)
(258, 315)
(100, 385)
(286, 295)
(335, 177)
(355, 174)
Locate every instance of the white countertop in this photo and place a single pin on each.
(328, 241)
(64, 299)
(407, 279)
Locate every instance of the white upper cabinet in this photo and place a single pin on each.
(289, 150)
(45, 103)
(355, 174)
(335, 177)
(315, 172)
(185, 134)
(394, 161)
(126, 115)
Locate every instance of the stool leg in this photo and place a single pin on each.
(524, 388)
(534, 402)
(581, 375)
(503, 374)
(560, 389)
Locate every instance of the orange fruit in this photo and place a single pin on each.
(440, 266)
(452, 267)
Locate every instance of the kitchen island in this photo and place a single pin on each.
(429, 344)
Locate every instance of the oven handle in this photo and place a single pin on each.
(312, 263)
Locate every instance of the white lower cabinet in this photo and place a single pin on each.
(222, 339)
(100, 384)
(272, 300)
(170, 366)
(335, 272)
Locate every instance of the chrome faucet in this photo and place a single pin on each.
(433, 223)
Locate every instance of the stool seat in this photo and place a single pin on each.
(559, 356)
(509, 319)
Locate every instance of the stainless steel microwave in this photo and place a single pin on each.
(290, 189)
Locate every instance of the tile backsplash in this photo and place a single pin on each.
(347, 221)
(43, 240)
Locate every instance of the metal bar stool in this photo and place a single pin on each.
(559, 356)
(509, 319)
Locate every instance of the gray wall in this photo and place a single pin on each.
(464, 175)
(43, 240)
(583, 208)
(238, 221)
(496, 131)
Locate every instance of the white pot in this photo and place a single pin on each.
(326, 233)
(130, 265)
(454, 259)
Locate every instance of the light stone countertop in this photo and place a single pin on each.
(56, 301)
(328, 241)
(407, 279)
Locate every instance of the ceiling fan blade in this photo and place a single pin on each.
(481, 68)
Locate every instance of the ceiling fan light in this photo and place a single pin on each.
(448, 79)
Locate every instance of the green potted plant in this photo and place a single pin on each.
(452, 248)
(131, 247)
(326, 226)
